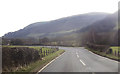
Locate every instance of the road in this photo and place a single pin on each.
(78, 59)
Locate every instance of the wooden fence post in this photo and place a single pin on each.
(118, 53)
(40, 50)
(44, 53)
(115, 52)
(48, 51)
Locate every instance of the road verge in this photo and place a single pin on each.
(38, 65)
(105, 55)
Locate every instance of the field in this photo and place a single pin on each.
(42, 50)
(115, 49)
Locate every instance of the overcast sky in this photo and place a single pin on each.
(16, 14)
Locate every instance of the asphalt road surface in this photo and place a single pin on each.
(78, 59)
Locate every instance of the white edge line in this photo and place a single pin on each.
(49, 63)
(82, 62)
(103, 57)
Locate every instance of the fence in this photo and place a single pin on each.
(116, 53)
(44, 53)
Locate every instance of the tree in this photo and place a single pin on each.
(16, 42)
(43, 41)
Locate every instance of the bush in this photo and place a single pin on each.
(101, 48)
(18, 56)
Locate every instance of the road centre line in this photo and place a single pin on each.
(82, 62)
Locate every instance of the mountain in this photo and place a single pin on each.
(57, 27)
(102, 32)
(107, 24)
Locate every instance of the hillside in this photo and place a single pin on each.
(102, 32)
(107, 24)
(57, 27)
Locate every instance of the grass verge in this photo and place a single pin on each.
(110, 56)
(36, 66)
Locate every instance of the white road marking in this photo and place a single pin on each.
(49, 63)
(103, 57)
(82, 62)
(78, 56)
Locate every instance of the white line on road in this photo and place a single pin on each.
(103, 57)
(78, 56)
(49, 63)
(82, 62)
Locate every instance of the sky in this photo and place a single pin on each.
(16, 14)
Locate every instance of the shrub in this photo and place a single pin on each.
(18, 56)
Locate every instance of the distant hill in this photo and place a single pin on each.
(104, 31)
(59, 27)
(105, 25)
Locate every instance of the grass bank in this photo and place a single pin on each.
(49, 55)
(110, 56)
(36, 66)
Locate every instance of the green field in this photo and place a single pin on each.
(115, 49)
(44, 49)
